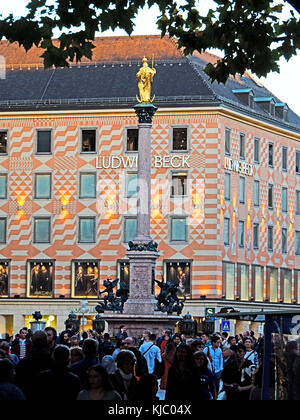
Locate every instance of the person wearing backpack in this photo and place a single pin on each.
(215, 356)
(151, 352)
(250, 353)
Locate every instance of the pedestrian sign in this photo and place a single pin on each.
(226, 326)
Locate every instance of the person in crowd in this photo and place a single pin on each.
(145, 336)
(99, 387)
(296, 379)
(84, 336)
(141, 366)
(183, 338)
(224, 337)
(106, 347)
(37, 360)
(90, 351)
(109, 364)
(164, 340)
(228, 356)
(251, 354)
(76, 355)
(151, 352)
(180, 382)
(21, 345)
(168, 357)
(290, 354)
(8, 391)
(58, 381)
(205, 339)
(122, 333)
(205, 386)
(51, 338)
(176, 339)
(147, 389)
(123, 380)
(8, 355)
(65, 338)
(231, 343)
(214, 354)
(118, 348)
(74, 341)
(196, 345)
(237, 376)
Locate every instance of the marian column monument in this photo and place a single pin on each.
(141, 310)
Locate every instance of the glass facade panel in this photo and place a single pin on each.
(259, 283)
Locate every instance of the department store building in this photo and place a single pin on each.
(225, 183)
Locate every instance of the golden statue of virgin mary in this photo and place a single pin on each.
(145, 78)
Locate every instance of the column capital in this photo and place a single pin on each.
(145, 113)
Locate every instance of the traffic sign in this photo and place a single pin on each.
(209, 313)
(226, 326)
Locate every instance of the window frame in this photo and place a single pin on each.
(38, 130)
(125, 218)
(178, 241)
(242, 141)
(126, 139)
(7, 142)
(171, 138)
(35, 219)
(284, 161)
(82, 129)
(80, 218)
(256, 141)
(36, 174)
(81, 197)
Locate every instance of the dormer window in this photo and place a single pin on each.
(281, 111)
(245, 96)
(267, 103)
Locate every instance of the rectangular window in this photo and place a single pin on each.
(227, 141)
(179, 184)
(42, 186)
(180, 139)
(178, 229)
(87, 229)
(3, 142)
(284, 199)
(41, 230)
(256, 193)
(227, 186)
(297, 242)
(226, 231)
(85, 278)
(270, 238)
(284, 240)
(258, 281)
(284, 158)
(88, 141)
(131, 184)
(297, 161)
(3, 225)
(242, 190)
(270, 196)
(298, 202)
(255, 235)
(180, 272)
(130, 228)
(229, 271)
(243, 276)
(40, 278)
(241, 233)
(4, 278)
(87, 187)
(256, 149)
(132, 144)
(272, 284)
(286, 285)
(43, 145)
(3, 186)
(242, 146)
(271, 154)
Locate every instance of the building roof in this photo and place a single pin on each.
(109, 80)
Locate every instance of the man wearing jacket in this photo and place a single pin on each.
(21, 345)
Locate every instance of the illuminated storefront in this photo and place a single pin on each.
(225, 186)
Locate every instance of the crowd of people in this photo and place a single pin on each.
(171, 367)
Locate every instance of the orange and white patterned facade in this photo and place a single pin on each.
(227, 265)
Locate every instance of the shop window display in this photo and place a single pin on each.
(180, 272)
(40, 278)
(4, 278)
(85, 278)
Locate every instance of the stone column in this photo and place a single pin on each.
(143, 252)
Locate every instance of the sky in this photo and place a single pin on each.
(284, 85)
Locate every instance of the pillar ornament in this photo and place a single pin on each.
(145, 113)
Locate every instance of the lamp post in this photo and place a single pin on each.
(37, 325)
(84, 309)
(72, 323)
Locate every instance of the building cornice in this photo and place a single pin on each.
(217, 110)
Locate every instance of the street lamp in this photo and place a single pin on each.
(37, 325)
(72, 323)
(84, 309)
(188, 325)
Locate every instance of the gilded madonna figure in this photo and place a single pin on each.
(145, 78)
